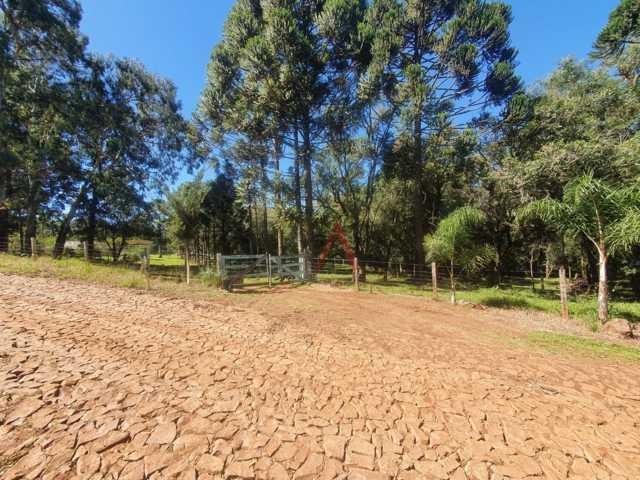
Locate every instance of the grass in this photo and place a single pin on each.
(105, 274)
(201, 288)
(559, 343)
(515, 296)
(167, 260)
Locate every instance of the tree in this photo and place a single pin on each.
(618, 43)
(40, 47)
(130, 133)
(581, 120)
(455, 243)
(604, 214)
(185, 207)
(443, 61)
(224, 217)
(274, 79)
(125, 214)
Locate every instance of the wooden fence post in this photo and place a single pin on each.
(307, 274)
(219, 264)
(268, 257)
(186, 262)
(434, 279)
(34, 251)
(356, 274)
(146, 263)
(563, 293)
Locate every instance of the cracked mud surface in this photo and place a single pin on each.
(308, 383)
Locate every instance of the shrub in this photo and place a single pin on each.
(210, 278)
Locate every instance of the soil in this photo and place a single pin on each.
(305, 383)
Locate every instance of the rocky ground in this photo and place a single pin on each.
(304, 383)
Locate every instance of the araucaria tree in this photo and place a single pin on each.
(455, 244)
(443, 61)
(606, 215)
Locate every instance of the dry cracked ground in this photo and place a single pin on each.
(304, 383)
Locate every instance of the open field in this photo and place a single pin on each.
(311, 382)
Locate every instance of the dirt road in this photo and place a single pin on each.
(309, 383)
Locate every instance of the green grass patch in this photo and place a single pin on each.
(514, 296)
(559, 343)
(106, 274)
(167, 260)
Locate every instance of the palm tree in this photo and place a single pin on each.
(607, 216)
(453, 243)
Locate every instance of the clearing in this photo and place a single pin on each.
(308, 382)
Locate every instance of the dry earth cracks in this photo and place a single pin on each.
(108, 383)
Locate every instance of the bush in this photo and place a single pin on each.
(210, 278)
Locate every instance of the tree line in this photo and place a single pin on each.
(387, 116)
(85, 139)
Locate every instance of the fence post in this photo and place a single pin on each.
(186, 262)
(219, 264)
(308, 272)
(268, 257)
(563, 293)
(434, 279)
(356, 273)
(308, 269)
(34, 251)
(85, 247)
(146, 263)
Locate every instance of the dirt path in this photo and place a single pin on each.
(100, 382)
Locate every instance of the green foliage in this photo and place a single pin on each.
(626, 232)
(618, 44)
(604, 214)
(462, 47)
(210, 278)
(581, 120)
(454, 241)
(185, 209)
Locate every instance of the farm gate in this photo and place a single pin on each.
(262, 269)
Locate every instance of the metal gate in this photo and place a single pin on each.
(234, 269)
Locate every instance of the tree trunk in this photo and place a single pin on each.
(4, 209)
(187, 264)
(33, 205)
(308, 185)
(61, 238)
(92, 214)
(265, 224)
(277, 152)
(259, 236)
(297, 190)
(603, 288)
(265, 221)
(418, 203)
(533, 280)
(564, 300)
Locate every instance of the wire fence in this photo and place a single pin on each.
(248, 270)
(165, 263)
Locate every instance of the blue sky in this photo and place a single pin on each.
(174, 37)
